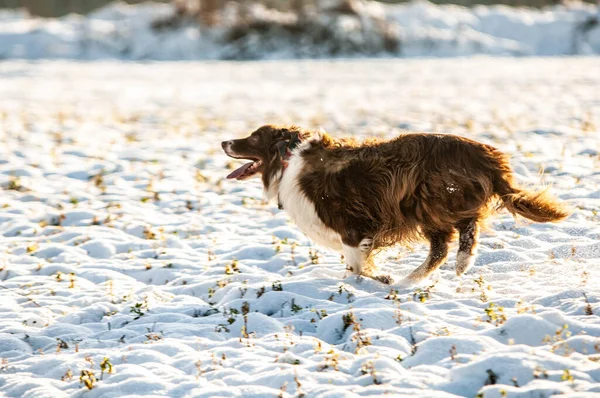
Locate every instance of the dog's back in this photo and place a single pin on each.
(396, 189)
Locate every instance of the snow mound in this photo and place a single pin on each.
(124, 245)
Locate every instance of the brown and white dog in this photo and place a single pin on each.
(357, 197)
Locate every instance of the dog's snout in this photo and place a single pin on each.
(226, 144)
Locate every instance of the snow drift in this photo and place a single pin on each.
(152, 31)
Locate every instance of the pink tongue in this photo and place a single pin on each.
(240, 171)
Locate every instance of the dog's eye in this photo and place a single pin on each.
(253, 139)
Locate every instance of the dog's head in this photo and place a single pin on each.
(265, 148)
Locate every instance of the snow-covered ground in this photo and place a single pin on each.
(121, 239)
(419, 28)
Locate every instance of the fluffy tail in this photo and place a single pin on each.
(536, 206)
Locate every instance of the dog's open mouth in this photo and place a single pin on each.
(246, 171)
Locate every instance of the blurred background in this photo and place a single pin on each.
(58, 8)
(292, 29)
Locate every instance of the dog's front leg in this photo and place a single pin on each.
(358, 258)
(359, 261)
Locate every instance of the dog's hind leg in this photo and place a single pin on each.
(438, 252)
(467, 245)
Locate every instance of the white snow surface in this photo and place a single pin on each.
(121, 237)
(121, 31)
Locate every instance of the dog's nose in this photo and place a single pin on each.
(226, 144)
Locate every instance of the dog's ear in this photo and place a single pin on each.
(282, 147)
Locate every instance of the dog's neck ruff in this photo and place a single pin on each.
(286, 153)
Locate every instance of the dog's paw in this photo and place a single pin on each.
(386, 279)
(463, 262)
(406, 283)
(435, 277)
(365, 245)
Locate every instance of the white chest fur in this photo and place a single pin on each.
(301, 210)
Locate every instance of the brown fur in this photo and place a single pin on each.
(417, 183)
(411, 187)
